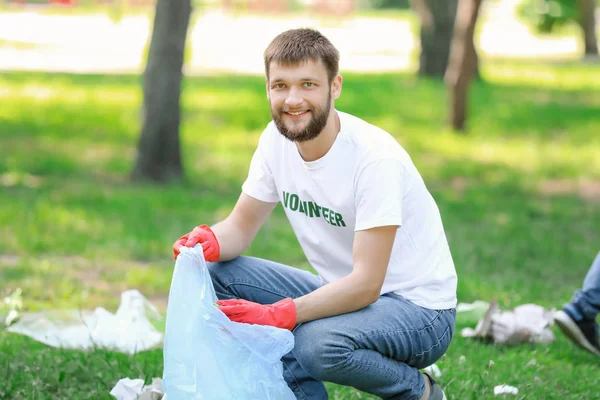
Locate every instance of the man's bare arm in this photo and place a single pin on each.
(371, 254)
(236, 232)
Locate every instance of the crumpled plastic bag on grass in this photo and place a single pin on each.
(505, 389)
(129, 330)
(207, 356)
(527, 323)
(10, 308)
(475, 309)
(134, 389)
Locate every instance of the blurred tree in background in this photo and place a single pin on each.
(386, 4)
(548, 15)
(159, 153)
(437, 23)
(438, 19)
(462, 65)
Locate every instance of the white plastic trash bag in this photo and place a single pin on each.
(131, 329)
(209, 357)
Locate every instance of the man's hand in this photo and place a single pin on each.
(205, 236)
(281, 314)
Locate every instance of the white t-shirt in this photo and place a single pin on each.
(364, 181)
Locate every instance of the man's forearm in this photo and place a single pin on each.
(237, 231)
(233, 241)
(343, 296)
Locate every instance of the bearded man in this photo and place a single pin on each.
(382, 306)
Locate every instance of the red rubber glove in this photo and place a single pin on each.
(205, 236)
(281, 314)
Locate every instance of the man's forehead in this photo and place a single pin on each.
(286, 70)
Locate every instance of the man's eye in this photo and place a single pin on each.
(279, 86)
(308, 84)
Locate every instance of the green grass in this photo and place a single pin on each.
(519, 196)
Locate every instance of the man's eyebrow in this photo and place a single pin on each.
(309, 79)
(278, 80)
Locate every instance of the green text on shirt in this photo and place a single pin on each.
(310, 209)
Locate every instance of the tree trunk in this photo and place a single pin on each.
(463, 61)
(437, 21)
(587, 21)
(159, 156)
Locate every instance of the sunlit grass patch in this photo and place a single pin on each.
(518, 194)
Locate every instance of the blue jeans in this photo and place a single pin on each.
(377, 349)
(585, 304)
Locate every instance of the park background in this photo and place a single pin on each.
(82, 219)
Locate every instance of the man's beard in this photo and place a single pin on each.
(314, 127)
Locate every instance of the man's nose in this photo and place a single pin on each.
(293, 98)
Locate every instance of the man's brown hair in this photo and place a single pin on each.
(295, 46)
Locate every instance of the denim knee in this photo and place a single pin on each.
(214, 268)
(216, 271)
(320, 353)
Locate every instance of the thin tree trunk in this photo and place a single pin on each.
(437, 23)
(463, 61)
(587, 21)
(159, 156)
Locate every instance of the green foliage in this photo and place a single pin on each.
(518, 195)
(548, 15)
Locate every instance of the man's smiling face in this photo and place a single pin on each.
(300, 98)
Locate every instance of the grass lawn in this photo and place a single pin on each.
(519, 196)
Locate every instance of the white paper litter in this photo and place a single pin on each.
(527, 323)
(134, 389)
(433, 370)
(127, 389)
(505, 389)
(130, 330)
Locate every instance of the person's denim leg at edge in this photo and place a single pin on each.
(578, 318)
(378, 349)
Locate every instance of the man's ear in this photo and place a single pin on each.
(336, 87)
